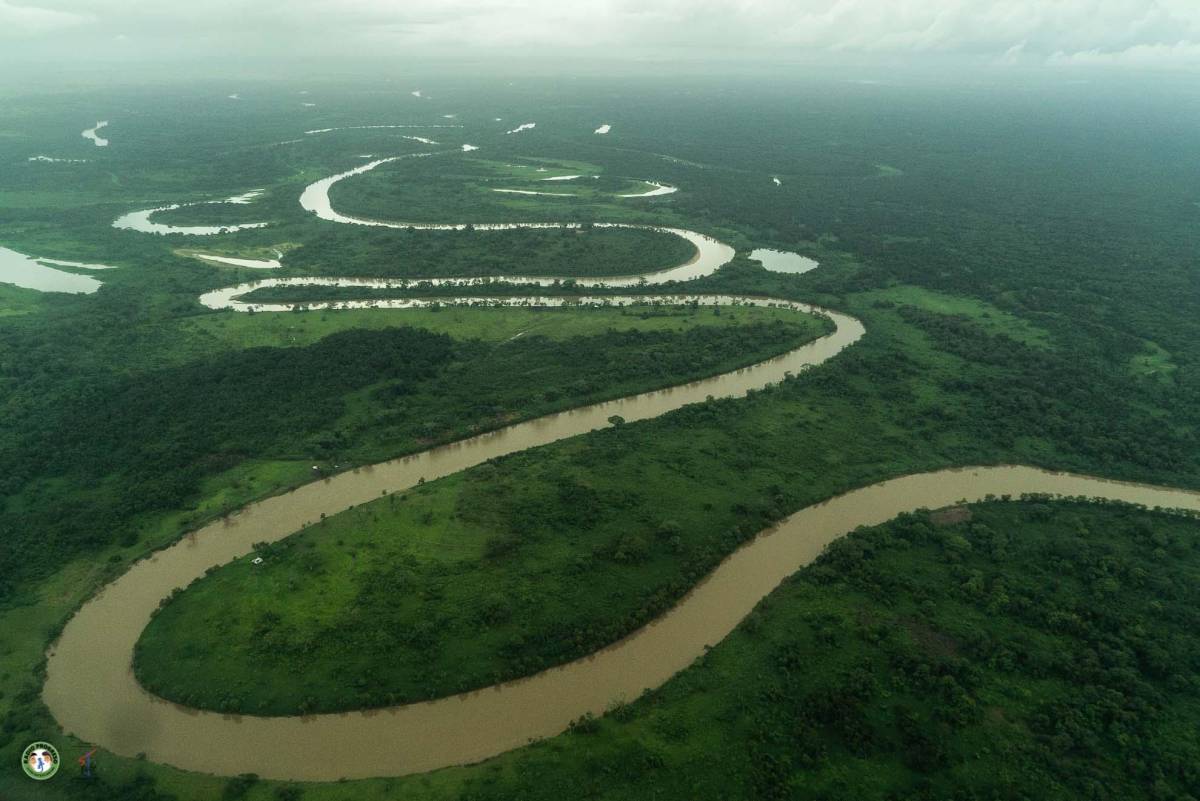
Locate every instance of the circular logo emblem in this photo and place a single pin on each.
(40, 761)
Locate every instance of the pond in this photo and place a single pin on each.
(783, 261)
(31, 273)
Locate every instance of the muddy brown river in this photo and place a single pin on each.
(91, 689)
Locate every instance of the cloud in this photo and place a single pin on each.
(1114, 32)
(1181, 55)
(1013, 54)
(23, 21)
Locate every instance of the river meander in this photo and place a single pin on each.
(92, 691)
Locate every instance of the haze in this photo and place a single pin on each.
(85, 35)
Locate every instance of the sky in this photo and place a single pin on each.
(1133, 34)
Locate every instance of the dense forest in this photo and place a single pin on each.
(432, 254)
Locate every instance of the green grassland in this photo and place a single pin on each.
(1154, 361)
(211, 212)
(988, 317)
(543, 175)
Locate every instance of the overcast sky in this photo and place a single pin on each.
(1050, 33)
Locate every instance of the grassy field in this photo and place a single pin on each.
(988, 317)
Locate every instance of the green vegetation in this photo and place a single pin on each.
(481, 578)
(1154, 361)
(1032, 650)
(233, 330)
(91, 456)
(491, 575)
(1035, 651)
(989, 318)
(16, 300)
(432, 254)
(208, 212)
(452, 188)
(1020, 304)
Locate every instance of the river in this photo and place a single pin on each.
(91, 689)
(35, 273)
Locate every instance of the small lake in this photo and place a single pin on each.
(25, 271)
(94, 134)
(783, 261)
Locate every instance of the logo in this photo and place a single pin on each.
(40, 761)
